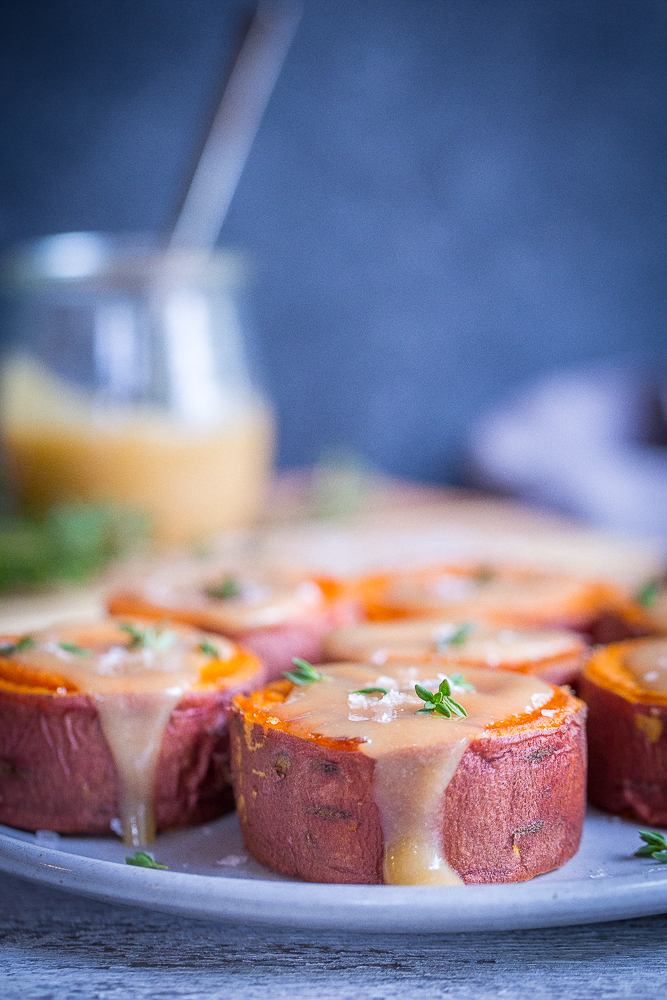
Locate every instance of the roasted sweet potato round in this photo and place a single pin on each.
(556, 656)
(506, 596)
(625, 687)
(78, 752)
(272, 615)
(344, 779)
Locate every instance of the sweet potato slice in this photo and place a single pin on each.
(310, 803)
(507, 596)
(556, 656)
(275, 618)
(627, 730)
(57, 771)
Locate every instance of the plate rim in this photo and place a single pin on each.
(335, 907)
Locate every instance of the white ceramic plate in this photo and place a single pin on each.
(211, 876)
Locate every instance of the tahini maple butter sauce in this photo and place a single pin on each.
(647, 663)
(134, 690)
(191, 482)
(473, 642)
(501, 595)
(228, 599)
(415, 755)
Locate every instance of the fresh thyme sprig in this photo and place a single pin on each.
(208, 649)
(456, 639)
(648, 594)
(655, 846)
(226, 589)
(376, 690)
(460, 684)
(441, 701)
(157, 639)
(143, 860)
(305, 672)
(71, 647)
(26, 642)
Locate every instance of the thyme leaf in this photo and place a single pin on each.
(648, 593)
(655, 846)
(71, 647)
(460, 684)
(225, 590)
(143, 860)
(456, 639)
(20, 646)
(371, 691)
(441, 702)
(208, 649)
(157, 639)
(305, 672)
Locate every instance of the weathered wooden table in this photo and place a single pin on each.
(56, 946)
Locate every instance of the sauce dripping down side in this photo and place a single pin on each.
(415, 756)
(135, 687)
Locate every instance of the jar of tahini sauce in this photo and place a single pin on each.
(128, 380)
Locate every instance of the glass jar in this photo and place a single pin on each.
(127, 379)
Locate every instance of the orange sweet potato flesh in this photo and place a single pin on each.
(600, 612)
(275, 645)
(56, 769)
(564, 668)
(514, 809)
(627, 733)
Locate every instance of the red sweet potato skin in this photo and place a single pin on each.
(304, 809)
(57, 773)
(514, 809)
(612, 626)
(627, 746)
(277, 645)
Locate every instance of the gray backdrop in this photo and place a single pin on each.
(445, 199)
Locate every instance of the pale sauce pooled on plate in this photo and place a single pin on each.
(135, 687)
(647, 663)
(415, 755)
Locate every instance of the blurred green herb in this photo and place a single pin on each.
(305, 673)
(208, 649)
(341, 485)
(458, 638)
(143, 860)
(225, 590)
(441, 702)
(26, 642)
(71, 647)
(648, 594)
(484, 575)
(460, 684)
(69, 545)
(157, 639)
(371, 691)
(655, 846)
